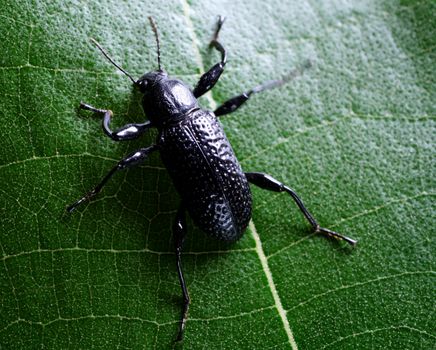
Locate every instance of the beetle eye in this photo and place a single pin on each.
(142, 84)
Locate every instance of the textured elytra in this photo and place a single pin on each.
(207, 175)
(360, 157)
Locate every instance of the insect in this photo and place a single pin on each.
(214, 189)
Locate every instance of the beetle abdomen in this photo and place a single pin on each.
(207, 175)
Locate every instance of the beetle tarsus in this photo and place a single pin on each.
(132, 159)
(74, 206)
(126, 132)
(221, 20)
(235, 102)
(216, 44)
(267, 182)
(179, 232)
(88, 107)
(183, 319)
(210, 78)
(334, 234)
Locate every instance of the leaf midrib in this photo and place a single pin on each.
(259, 250)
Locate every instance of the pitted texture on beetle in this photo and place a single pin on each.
(218, 196)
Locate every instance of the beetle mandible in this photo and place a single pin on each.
(214, 189)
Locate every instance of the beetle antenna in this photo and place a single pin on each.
(103, 51)
(153, 26)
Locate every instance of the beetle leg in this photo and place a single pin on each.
(210, 78)
(235, 102)
(267, 182)
(131, 160)
(179, 230)
(126, 132)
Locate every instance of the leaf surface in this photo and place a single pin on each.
(354, 136)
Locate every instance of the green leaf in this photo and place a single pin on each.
(354, 136)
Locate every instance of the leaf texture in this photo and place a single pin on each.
(354, 136)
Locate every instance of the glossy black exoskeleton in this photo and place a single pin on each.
(213, 188)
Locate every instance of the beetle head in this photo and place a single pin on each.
(148, 80)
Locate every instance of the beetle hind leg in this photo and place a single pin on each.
(267, 182)
(179, 231)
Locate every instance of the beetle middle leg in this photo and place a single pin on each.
(235, 102)
(131, 160)
(126, 132)
(179, 231)
(267, 182)
(210, 78)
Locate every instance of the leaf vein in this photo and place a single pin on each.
(259, 250)
(376, 330)
(121, 251)
(356, 215)
(358, 284)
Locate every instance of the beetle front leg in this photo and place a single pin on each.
(179, 231)
(126, 132)
(210, 78)
(131, 160)
(267, 182)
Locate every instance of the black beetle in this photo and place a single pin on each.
(194, 149)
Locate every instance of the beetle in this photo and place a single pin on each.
(214, 189)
